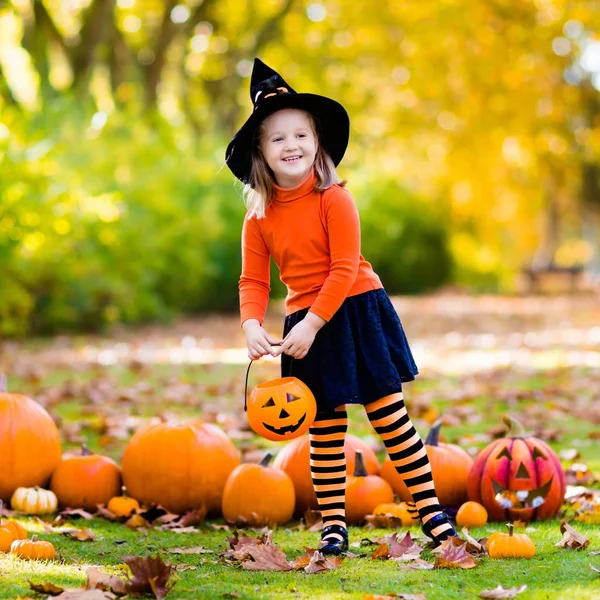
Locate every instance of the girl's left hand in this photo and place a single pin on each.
(299, 340)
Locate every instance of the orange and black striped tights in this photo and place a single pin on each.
(390, 420)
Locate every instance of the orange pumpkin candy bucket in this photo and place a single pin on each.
(280, 409)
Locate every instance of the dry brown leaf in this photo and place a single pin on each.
(383, 522)
(406, 550)
(76, 512)
(313, 520)
(474, 546)
(319, 563)
(83, 534)
(571, 538)
(500, 592)
(97, 580)
(416, 565)
(81, 594)
(107, 514)
(150, 575)
(192, 550)
(46, 588)
(453, 557)
(266, 557)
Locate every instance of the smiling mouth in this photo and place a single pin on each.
(287, 428)
(292, 159)
(521, 499)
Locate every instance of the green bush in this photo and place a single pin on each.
(137, 220)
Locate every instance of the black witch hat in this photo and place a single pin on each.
(269, 93)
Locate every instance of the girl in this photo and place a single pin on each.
(342, 336)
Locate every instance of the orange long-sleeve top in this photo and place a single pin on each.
(314, 238)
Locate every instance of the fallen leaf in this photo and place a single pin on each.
(571, 538)
(453, 557)
(416, 565)
(313, 520)
(383, 522)
(97, 580)
(500, 592)
(150, 575)
(76, 512)
(474, 546)
(319, 563)
(83, 534)
(46, 588)
(81, 594)
(136, 522)
(593, 568)
(192, 550)
(266, 557)
(406, 550)
(395, 597)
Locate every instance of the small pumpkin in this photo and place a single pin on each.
(364, 492)
(450, 468)
(281, 409)
(471, 514)
(259, 494)
(518, 477)
(34, 501)
(33, 549)
(86, 480)
(510, 545)
(123, 505)
(294, 459)
(9, 532)
(29, 442)
(405, 511)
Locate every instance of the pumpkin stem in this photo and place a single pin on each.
(515, 427)
(124, 491)
(359, 465)
(511, 529)
(433, 436)
(266, 460)
(34, 538)
(3, 384)
(85, 451)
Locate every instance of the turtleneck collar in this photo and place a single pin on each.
(281, 194)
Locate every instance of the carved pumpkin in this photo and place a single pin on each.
(450, 468)
(364, 492)
(405, 511)
(181, 467)
(123, 506)
(510, 545)
(471, 514)
(85, 481)
(29, 443)
(294, 459)
(33, 549)
(259, 494)
(518, 477)
(34, 501)
(281, 409)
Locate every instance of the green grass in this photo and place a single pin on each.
(554, 573)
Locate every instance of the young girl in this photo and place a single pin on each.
(342, 336)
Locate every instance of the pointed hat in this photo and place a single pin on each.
(269, 93)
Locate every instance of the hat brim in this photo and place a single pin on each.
(333, 123)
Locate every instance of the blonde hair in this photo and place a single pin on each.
(258, 191)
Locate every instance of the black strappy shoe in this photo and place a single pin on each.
(436, 521)
(334, 547)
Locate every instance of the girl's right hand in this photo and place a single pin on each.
(259, 342)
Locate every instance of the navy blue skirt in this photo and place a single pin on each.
(359, 356)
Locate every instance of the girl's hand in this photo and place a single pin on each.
(300, 338)
(259, 342)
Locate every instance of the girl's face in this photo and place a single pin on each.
(289, 145)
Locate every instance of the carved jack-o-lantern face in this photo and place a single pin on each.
(518, 478)
(282, 409)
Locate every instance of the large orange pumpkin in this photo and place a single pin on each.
(281, 409)
(181, 467)
(518, 477)
(29, 443)
(365, 492)
(294, 459)
(259, 494)
(86, 480)
(450, 467)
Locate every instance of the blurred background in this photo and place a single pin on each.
(474, 151)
